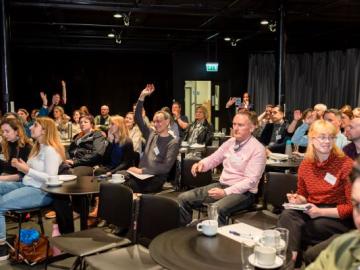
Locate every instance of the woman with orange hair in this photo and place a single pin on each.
(323, 185)
(119, 154)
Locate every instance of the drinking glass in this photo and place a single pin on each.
(246, 251)
(212, 211)
(281, 249)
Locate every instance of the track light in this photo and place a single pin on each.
(117, 15)
(264, 22)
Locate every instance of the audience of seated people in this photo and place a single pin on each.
(323, 184)
(200, 131)
(243, 158)
(44, 160)
(322, 176)
(14, 144)
(102, 121)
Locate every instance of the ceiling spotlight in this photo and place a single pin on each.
(117, 15)
(111, 35)
(118, 38)
(264, 22)
(227, 38)
(126, 20)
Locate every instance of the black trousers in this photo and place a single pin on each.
(305, 231)
(149, 185)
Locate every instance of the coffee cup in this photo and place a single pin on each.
(53, 179)
(118, 177)
(208, 227)
(264, 255)
(270, 238)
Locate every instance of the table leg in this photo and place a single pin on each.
(84, 211)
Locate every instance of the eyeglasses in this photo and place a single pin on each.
(324, 138)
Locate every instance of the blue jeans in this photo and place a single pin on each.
(15, 195)
(227, 205)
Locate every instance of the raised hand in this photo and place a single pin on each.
(147, 91)
(44, 98)
(230, 102)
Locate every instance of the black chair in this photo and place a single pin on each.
(188, 180)
(20, 215)
(116, 207)
(276, 185)
(155, 216)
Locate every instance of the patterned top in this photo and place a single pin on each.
(315, 186)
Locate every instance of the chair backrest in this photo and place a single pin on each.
(276, 186)
(156, 215)
(188, 180)
(116, 204)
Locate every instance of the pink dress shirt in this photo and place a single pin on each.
(242, 169)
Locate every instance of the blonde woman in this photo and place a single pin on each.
(14, 144)
(44, 161)
(200, 131)
(62, 122)
(323, 185)
(119, 154)
(134, 132)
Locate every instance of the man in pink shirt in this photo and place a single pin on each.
(243, 158)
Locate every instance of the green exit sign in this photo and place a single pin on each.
(212, 67)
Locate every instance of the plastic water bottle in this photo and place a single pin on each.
(288, 148)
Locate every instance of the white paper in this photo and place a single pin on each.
(295, 206)
(141, 176)
(244, 230)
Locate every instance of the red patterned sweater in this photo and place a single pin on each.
(312, 185)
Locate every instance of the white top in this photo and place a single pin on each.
(43, 165)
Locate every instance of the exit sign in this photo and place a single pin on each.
(212, 67)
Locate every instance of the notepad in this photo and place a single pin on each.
(294, 206)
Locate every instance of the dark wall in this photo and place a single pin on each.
(232, 75)
(93, 78)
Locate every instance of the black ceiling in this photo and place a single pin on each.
(170, 25)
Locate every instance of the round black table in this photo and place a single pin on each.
(81, 187)
(291, 164)
(186, 248)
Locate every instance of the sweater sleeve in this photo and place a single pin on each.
(345, 208)
(301, 187)
(145, 130)
(299, 136)
(52, 162)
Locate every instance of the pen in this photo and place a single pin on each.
(244, 235)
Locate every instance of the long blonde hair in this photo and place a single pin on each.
(317, 128)
(16, 125)
(123, 131)
(51, 137)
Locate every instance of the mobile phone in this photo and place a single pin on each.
(238, 101)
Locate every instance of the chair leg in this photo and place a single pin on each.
(40, 222)
(47, 254)
(18, 243)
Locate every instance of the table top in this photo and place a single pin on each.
(81, 186)
(186, 248)
(284, 164)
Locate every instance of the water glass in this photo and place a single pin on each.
(246, 251)
(212, 211)
(283, 244)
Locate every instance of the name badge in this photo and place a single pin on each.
(156, 150)
(278, 137)
(330, 178)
